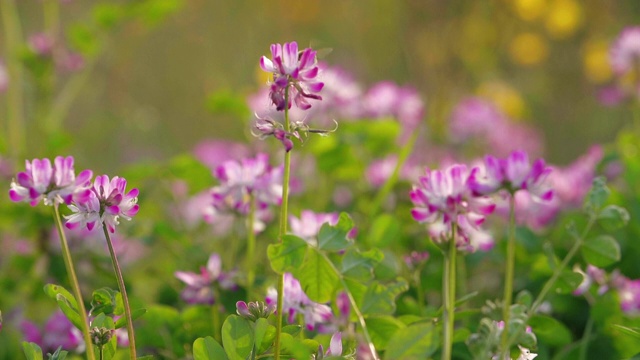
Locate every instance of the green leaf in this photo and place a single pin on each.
(107, 301)
(549, 330)
(633, 332)
(261, 331)
(69, 311)
(360, 265)
(288, 255)
(601, 251)
(418, 341)
(334, 238)
(568, 281)
(294, 347)
(208, 349)
(317, 277)
(32, 351)
(382, 329)
(122, 321)
(613, 217)
(597, 195)
(53, 290)
(384, 230)
(381, 299)
(237, 337)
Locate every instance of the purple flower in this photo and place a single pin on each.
(295, 71)
(624, 53)
(295, 302)
(388, 99)
(199, 288)
(41, 44)
(108, 201)
(52, 184)
(214, 153)
(593, 275)
(58, 332)
(239, 180)
(474, 117)
(309, 224)
(444, 198)
(416, 259)
(573, 182)
(512, 174)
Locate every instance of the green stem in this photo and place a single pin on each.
(123, 292)
(15, 97)
(449, 295)
(283, 225)
(73, 280)
(508, 277)
(556, 274)
(584, 344)
(215, 315)
(251, 247)
(391, 181)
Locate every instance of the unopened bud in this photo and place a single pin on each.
(101, 336)
(254, 310)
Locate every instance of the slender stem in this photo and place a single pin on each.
(449, 295)
(584, 343)
(251, 246)
(508, 277)
(215, 315)
(283, 224)
(391, 181)
(123, 292)
(101, 352)
(15, 97)
(556, 274)
(73, 280)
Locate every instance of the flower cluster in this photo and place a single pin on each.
(628, 290)
(107, 202)
(200, 287)
(295, 302)
(57, 332)
(624, 57)
(445, 199)
(254, 310)
(295, 72)
(53, 184)
(242, 180)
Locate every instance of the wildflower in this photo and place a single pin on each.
(254, 310)
(572, 183)
(41, 44)
(625, 51)
(591, 276)
(628, 292)
(295, 302)
(444, 198)
(214, 153)
(52, 184)
(309, 224)
(403, 103)
(512, 174)
(107, 202)
(199, 288)
(294, 71)
(101, 336)
(57, 332)
(416, 259)
(335, 347)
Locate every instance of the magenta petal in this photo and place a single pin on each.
(114, 209)
(14, 196)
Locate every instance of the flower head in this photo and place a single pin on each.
(295, 302)
(107, 202)
(624, 53)
(295, 72)
(52, 184)
(199, 288)
(444, 198)
(57, 332)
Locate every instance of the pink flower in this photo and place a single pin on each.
(295, 71)
(309, 224)
(295, 302)
(58, 332)
(624, 53)
(107, 202)
(41, 44)
(199, 288)
(444, 198)
(52, 184)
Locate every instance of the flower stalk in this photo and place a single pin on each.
(283, 226)
(73, 280)
(449, 295)
(123, 292)
(508, 276)
(251, 245)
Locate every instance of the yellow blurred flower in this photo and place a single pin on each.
(530, 10)
(504, 96)
(528, 49)
(564, 18)
(596, 61)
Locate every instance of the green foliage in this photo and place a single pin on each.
(334, 238)
(107, 301)
(208, 349)
(549, 330)
(32, 351)
(288, 255)
(318, 276)
(601, 251)
(109, 349)
(417, 341)
(237, 337)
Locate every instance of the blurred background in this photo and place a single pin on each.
(152, 78)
